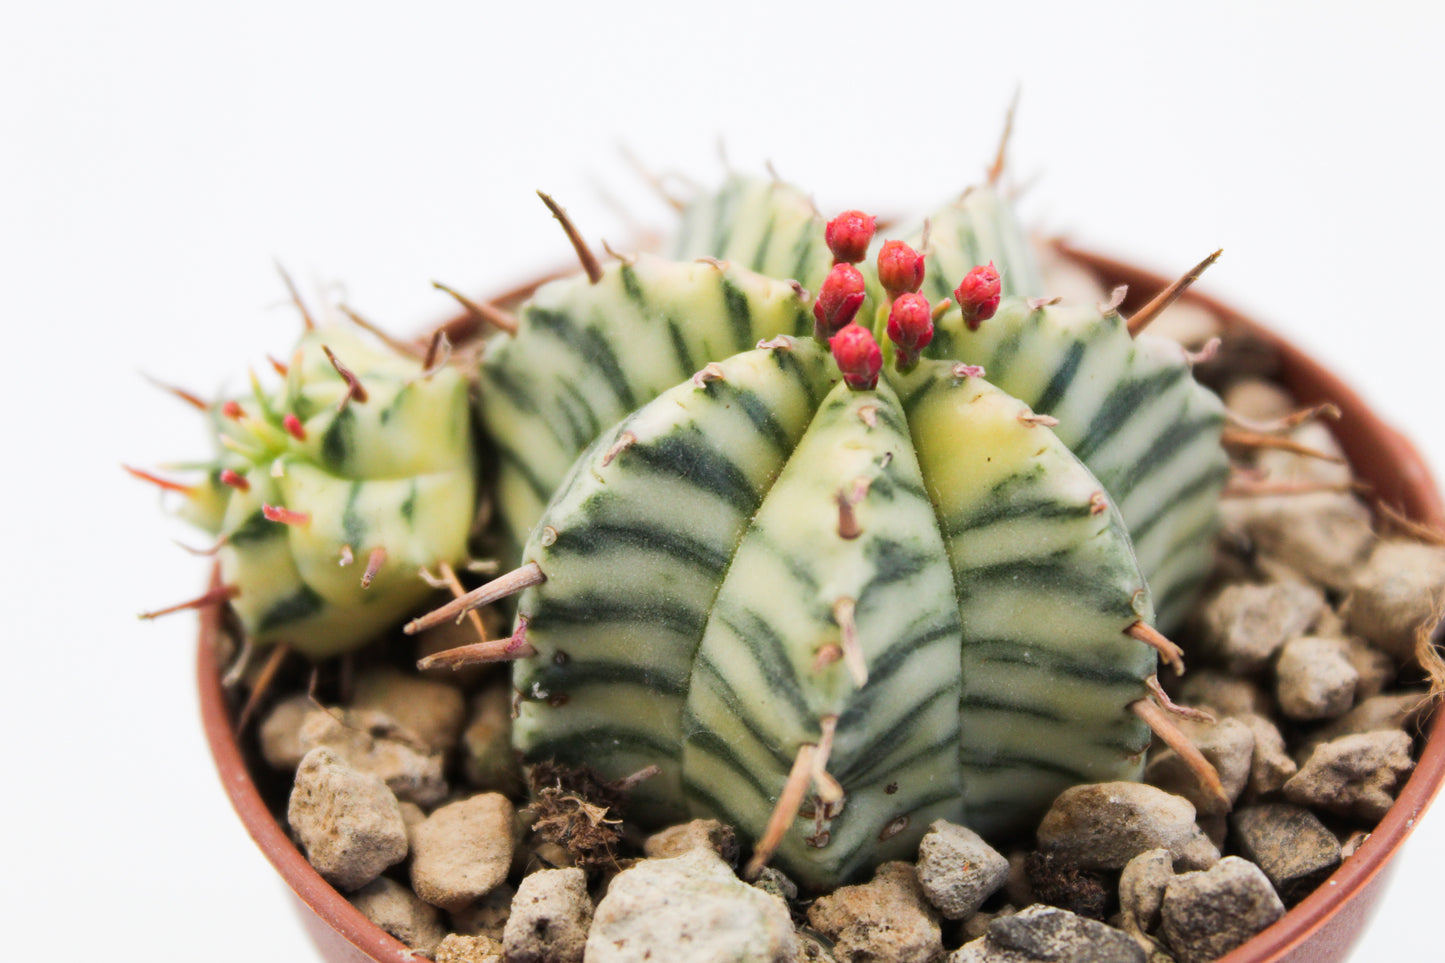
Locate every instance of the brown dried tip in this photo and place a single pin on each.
(1146, 315)
(482, 311)
(374, 562)
(1239, 438)
(477, 653)
(355, 390)
(162, 483)
(216, 596)
(190, 398)
(843, 613)
(296, 297)
(498, 588)
(396, 344)
(790, 800)
(1158, 720)
(264, 680)
(584, 254)
(1171, 654)
(995, 171)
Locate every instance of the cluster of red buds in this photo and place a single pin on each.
(910, 315)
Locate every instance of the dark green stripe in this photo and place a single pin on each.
(689, 454)
(593, 538)
(997, 511)
(631, 286)
(680, 349)
(1050, 576)
(1212, 475)
(541, 489)
(1160, 452)
(740, 313)
(353, 527)
(1121, 404)
(996, 704)
(1044, 661)
(408, 505)
(578, 673)
(256, 528)
(499, 378)
(724, 690)
(588, 608)
(336, 443)
(583, 746)
(591, 346)
(769, 650)
(880, 750)
(709, 742)
(301, 604)
(1062, 378)
(993, 762)
(760, 259)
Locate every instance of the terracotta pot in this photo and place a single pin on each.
(1320, 929)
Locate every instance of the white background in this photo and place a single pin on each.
(156, 157)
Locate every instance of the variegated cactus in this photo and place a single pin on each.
(329, 493)
(833, 596)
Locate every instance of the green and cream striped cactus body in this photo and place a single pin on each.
(924, 588)
(327, 502)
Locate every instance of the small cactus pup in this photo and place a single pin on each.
(331, 492)
(831, 589)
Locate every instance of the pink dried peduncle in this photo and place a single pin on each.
(235, 480)
(978, 295)
(293, 427)
(275, 513)
(233, 410)
(848, 236)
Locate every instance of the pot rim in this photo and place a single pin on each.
(1368, 442)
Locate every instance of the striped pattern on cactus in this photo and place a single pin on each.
(910, 589)
(329, 493)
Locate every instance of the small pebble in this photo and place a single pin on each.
(1141, 890)
(698, 834)
(1226, 694)
(1047, 934)
(689, 907)
(776, 883)
(1400, 588)
(432, 711)
(1228, 745)
(1354, 775)
(1270, 767)
(1243, 626)
(1289, 843)
(1104, 825)
(489, 762)
(958, 870)
(487, 916)
(1388, 711)
(462, 851)
(887, 918)
(457, 948)
(373, 742)
(550, 917)
(1320, 536)
(348, 822)
(280, 732)
(1206, 914)
(1314, 678)
(1375, 668)
(396, 909)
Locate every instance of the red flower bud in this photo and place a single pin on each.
(900, 268)
(858, 355)
(848, 236)
(910, 327)
(978, 295)
(838, 301)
